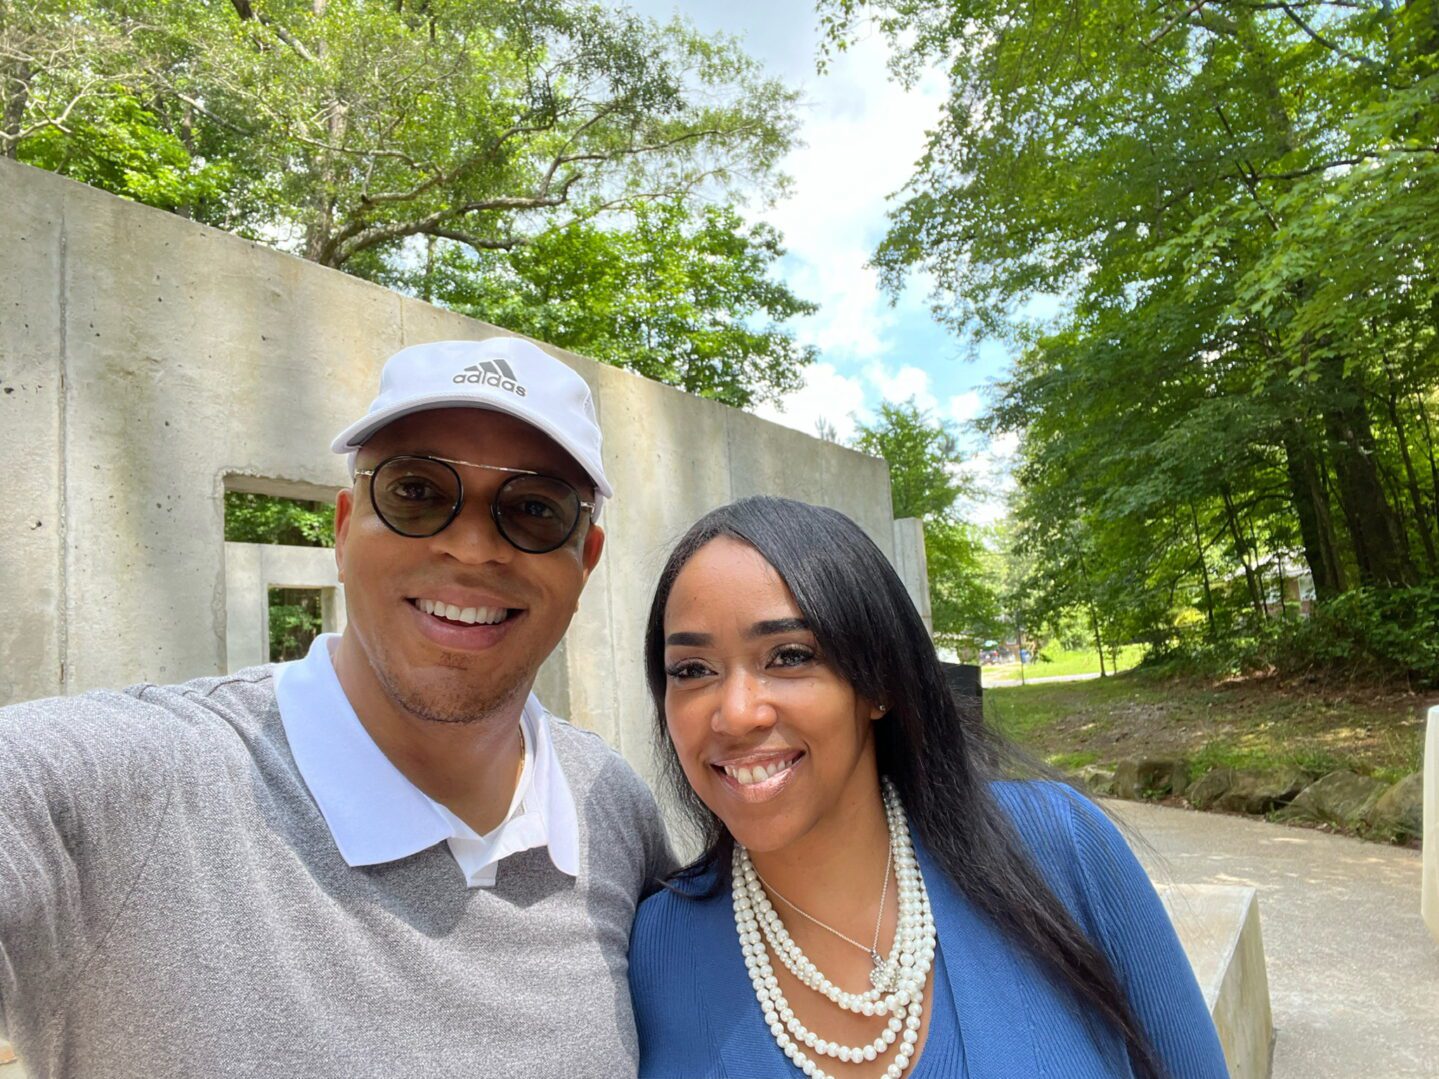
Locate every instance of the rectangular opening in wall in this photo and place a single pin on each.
(296, 616)
(291, 522)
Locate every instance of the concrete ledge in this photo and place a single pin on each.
(1429, 880)
(1218, 925)
(251, 570)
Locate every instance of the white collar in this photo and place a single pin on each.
(377, 815)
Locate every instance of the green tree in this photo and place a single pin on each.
(354, 126)
(1234, 204)
(683, 294)
(925, 482)
(559, 167)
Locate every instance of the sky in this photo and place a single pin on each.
(861, 134)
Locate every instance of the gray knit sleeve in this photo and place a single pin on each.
(84, 783)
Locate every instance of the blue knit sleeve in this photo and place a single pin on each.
(1137, 936)
(674, 1040)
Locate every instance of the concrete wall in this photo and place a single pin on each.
(1429, 877)
(147, 363)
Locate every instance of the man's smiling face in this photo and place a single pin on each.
(430, 666)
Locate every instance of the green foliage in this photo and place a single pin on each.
(253, 518)
(683, 294)
(294, 622)
(119, 145)
(1234, 207)
(1367, 634)
(454, 135)
(925, 482)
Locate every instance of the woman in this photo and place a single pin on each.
(872, 900)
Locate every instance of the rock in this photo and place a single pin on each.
(1205, 790)
(1342, 798)
(1399, 812)
(1259, 792)
(1095, 778)
(1150, 777)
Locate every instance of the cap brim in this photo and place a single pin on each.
(362, 430)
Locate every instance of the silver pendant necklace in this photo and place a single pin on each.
(898, 993)
(879, 977)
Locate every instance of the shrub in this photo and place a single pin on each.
(1366, 634)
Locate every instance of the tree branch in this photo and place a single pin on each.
(1358, 159)
(1319, 39)
(1163, 31)
(247, 13)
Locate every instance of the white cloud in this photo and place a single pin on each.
(992, 470)
(862, 133)
(964, 407)
(909, 382)
(826, 394)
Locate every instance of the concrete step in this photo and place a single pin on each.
(1218, 924)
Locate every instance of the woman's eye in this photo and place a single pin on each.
(686, 671)
(792, 655)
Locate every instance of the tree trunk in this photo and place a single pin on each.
(1098, 641)
(1311, 506)
(1416, 499)
(1204, 571)
(1231, 517)
(1259, 565)
(15, 105)
(1373, 528)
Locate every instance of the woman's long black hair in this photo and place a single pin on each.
(939, 753)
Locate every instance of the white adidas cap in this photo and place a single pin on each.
(503, 374)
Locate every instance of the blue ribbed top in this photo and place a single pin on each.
(997, 1012)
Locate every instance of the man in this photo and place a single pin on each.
(385, 858)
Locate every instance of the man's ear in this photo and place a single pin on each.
(590, 554)
(344, 511)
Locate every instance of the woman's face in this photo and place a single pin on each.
(770, 736)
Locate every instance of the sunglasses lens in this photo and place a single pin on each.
(414, 495)
(537, 513)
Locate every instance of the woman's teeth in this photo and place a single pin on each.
(469, 615)
(757, 773)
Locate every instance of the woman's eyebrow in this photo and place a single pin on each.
(689, 640)
(776, 625)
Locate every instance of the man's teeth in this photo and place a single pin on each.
(471, 615)
(757, 773)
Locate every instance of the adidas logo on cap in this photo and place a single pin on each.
(497, 373)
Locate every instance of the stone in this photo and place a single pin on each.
(1399, 812)
(1258, 793)
(1342, 798)
(1095, 778)
(1206, 790)
(1150, 777)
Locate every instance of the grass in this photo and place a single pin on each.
(1056, 662)
(1252, 724)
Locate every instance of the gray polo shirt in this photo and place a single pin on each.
(172, 903)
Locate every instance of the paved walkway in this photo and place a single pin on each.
(1353, 972)
(1005, 683)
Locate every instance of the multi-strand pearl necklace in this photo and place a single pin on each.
(897, 981)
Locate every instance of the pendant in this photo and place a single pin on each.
(882, 976)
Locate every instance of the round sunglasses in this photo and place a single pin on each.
(418, 495)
